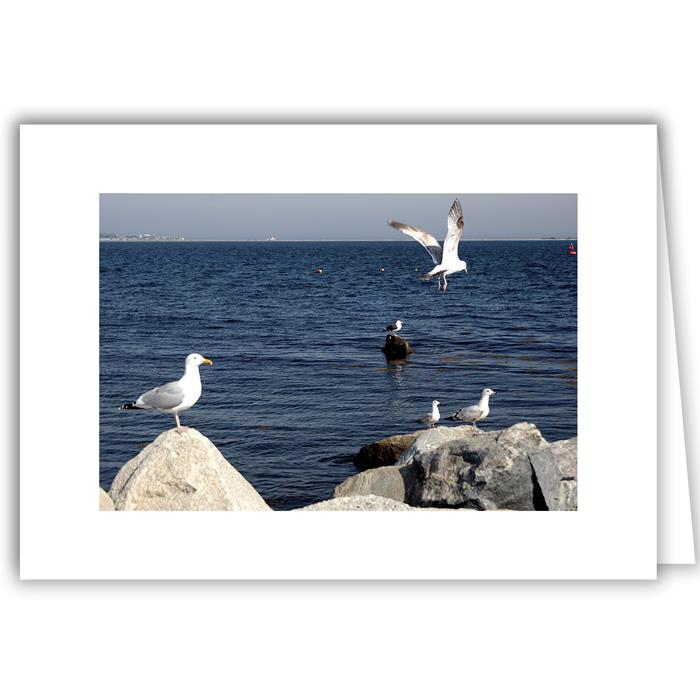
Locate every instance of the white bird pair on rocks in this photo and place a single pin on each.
(174, 397)
(471, 414)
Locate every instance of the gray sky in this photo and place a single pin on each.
(335, 216)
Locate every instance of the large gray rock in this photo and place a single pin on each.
(390, 482)
(486, 471)
(384, 452)
(465, 467)
(105, 501)
(566, 455)
(182, 471)
(368, 502)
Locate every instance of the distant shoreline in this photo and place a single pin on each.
(339, 240)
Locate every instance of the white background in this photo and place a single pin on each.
(216, 61)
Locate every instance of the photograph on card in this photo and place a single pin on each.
(347, 352)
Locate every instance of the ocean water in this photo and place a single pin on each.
(299, 382)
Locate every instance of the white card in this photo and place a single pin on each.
(612, 169)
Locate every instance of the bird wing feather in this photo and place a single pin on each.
(469, 414)
(428, 241)
(455, 226)
(162, 397)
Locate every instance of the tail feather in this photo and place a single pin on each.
(428, 276)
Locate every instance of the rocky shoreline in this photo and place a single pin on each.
(456, 467)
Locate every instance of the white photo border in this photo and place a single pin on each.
(63, 170)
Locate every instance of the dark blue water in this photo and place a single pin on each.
(299, 383)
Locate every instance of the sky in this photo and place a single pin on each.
(335, 217)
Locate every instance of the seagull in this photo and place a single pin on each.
(394, 328)
(174, 397)
(446, 259)
(431, 418)
(476, 412)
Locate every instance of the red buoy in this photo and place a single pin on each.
(572, 250)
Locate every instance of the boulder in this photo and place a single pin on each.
(465, 467)
(484, 471)
(396, 348)
(384, 452)
(367, 502)
(388, 482)
(105, 501)
(564, 495)
(182, 471)
(566, 453)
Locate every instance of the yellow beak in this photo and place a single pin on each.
(207, 361)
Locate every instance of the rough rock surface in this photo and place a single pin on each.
(566, 454)
(182, 471)
(105, 501)
(390, 482)
(396, 348)
(384, 452)
(368, 502)
(464, 467)
(485, 471)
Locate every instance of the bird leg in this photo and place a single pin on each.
(444, 281)
(177, 420)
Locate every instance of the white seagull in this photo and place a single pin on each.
(431, 419)
(174, 397)
(476, 412)
(394, 328)
(446, 259)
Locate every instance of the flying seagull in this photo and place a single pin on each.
(446, 259)
(431, 419)
(174, 397)
(476, 412)
(394, 328)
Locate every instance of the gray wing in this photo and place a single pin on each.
(468, 414)
(455, 226)
(162, 397)
(425, 239)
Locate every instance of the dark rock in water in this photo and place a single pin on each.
(384, 452)
(396, 348)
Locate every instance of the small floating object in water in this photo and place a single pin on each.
(319, 270)
(381, 269)
(572, 250)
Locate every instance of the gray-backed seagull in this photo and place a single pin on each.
(446, 259)
(476, 412)
(174, 397)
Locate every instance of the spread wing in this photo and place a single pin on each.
(425, 239)
(455, 226)
(162, 397)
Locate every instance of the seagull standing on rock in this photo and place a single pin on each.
(446, 259)
(174, 397)
(476, 412)
(394, 328)
(432, 418)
